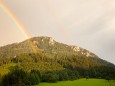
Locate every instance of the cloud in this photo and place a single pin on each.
(86, 23)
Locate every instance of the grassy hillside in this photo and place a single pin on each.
(81, 82)
(6, 68)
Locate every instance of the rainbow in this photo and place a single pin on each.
(18, 24)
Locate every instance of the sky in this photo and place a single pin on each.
(89, 24)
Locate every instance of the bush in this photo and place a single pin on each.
(50, 77)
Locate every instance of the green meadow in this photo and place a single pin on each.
(81, 82)
(6, 68)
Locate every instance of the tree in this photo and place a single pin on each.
(108, 79)
(63, 75)
(20, 78)
(49, 77)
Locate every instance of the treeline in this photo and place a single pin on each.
(43, 62)
(19, 77)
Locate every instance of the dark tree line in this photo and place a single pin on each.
(21, 78)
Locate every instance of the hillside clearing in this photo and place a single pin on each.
(6, 68)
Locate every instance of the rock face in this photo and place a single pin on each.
(51, 41)
(35, 42)
(82, 51)
(75, 48)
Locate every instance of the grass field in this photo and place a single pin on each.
(81, 82)
(6, 68)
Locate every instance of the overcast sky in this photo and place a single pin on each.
(89, 24)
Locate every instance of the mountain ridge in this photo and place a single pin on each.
(44, 44)
(48, 46)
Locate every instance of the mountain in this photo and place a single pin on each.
(45, 45)
(48, 46)
(46, 60)
(45, 54)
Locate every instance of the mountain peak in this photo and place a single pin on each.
(43, 39)
(48, 46)
(51, 41)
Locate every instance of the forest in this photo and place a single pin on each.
(31, 69)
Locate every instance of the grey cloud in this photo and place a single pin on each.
(86, 23)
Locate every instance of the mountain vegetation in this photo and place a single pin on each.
(42, 59)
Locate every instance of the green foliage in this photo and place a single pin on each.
(4, 69)
(20, 78)
(49, 77)
(63, 75)
(60, 69)
(108, 78)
